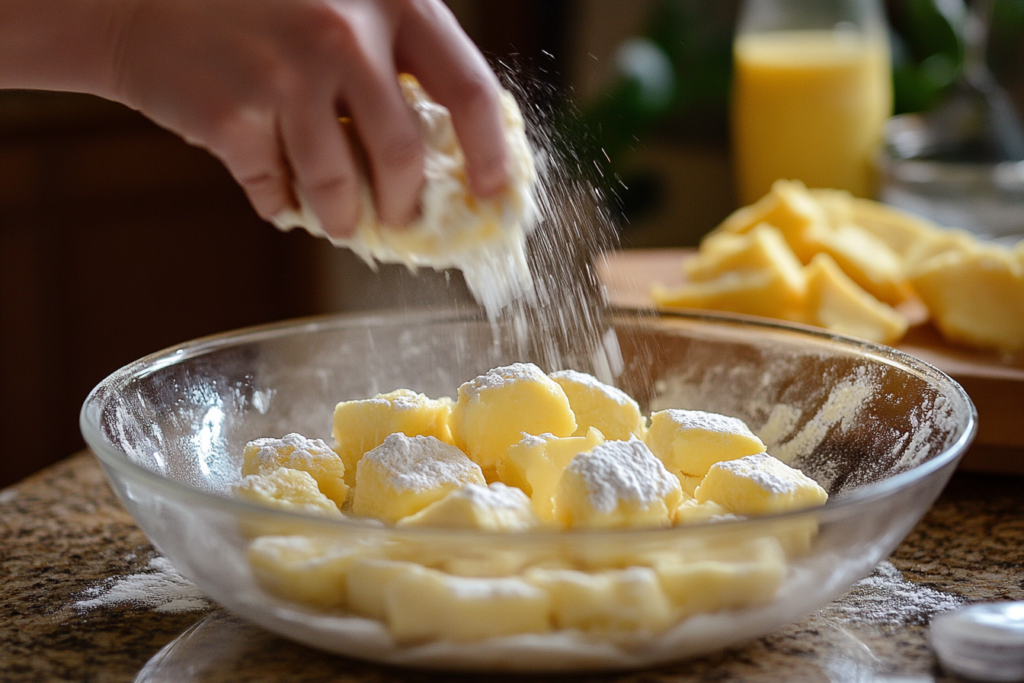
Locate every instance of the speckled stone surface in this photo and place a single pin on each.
(63, 533)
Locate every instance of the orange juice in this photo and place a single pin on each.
(810, 106)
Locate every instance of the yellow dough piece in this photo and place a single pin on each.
(763, 247)
(617, 600)
(692, 512)
(495, 409)
(490, 508)
(837, 303)
(484, 237)
(754, 273)
(791, 208)
(367, 579)
(596, 404)
(296, 452)
(311, 571)
(360, 426)
(407, 473)
(287, 489)
(899, 229)
(430, 605)
(535, 465)
(866, 259)
(976, 296)
(759, 485)
(689, 442)
(727, 576)
(614, 485)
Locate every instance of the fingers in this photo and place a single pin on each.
(431, 45)
(250, 146)
(322, 164)
(391, 135)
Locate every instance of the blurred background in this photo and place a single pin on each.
(118, 239)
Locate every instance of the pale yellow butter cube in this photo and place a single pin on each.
(494, 410)
(690, 511)
(617, 484)
(360, 426)
(758, 485)
(407, 473)
(689, 442)
(762, 248)
(837, 303)
(599, 405)
(535, 465)
(366, 583)
(490, 508)
(311, 571)
(749, 573)
(296, 452)
(791, 208)
(629, 599)
(430, 605)
(865, 259)
(976, 296)
(902, 231)
(287, 489)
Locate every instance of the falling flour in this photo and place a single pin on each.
(160, 588)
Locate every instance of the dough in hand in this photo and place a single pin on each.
(485, 238)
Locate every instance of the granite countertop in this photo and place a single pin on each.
(65, 540)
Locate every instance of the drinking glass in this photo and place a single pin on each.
(811, 93)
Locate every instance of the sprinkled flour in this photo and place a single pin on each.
(420, 463)
(622, 471)
(885, 597)
(161, 589)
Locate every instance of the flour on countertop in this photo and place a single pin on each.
(161, 589)
(885, 597)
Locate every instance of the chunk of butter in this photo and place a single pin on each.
(535, 465)
(728, 576)
(617, 484)
(616, 600)
(360, 426)
(837, 303)
(430, 605)
(976, 296)
(296, 452)
(494, 410)
(303, 569)
(596, 404)
(489, 508)
(758, 485)
(407, 473)
(689, 442)
(287, 489)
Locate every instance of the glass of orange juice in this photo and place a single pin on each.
(812, 89)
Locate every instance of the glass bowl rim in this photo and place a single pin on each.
(117, 460)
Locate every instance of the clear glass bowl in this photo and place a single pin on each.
(880, 430)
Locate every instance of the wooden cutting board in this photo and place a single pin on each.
(994, 382)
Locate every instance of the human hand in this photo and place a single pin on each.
(261, 83)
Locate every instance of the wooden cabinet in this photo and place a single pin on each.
(117, 239)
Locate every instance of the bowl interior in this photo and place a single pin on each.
(849, 414)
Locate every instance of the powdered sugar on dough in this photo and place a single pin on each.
(622, 471)
(591, 382)
(161, 589)
(500, 377)
(496, 496)
(421, 463)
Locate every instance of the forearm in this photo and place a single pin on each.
(69, 45)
